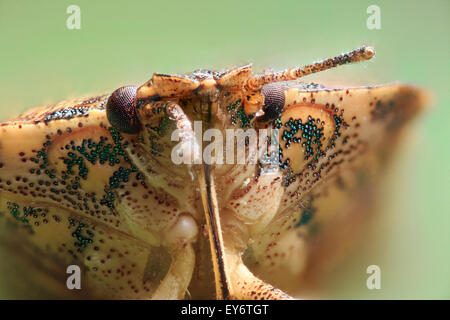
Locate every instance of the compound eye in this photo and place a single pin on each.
(274, 99)
(121, 110)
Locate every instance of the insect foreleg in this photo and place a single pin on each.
(246, 286)
(176, 281)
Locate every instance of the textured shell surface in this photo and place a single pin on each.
(78, 188)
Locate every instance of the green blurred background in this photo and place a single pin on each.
(120, 43)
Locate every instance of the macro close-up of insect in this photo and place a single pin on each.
(92, 181)
(213, 184)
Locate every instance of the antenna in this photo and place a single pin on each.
(360, 54)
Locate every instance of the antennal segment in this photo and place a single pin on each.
(363, 53)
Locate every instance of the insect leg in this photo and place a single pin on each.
(233, 279)
(215, 233)
(176, 281)
(246, 286)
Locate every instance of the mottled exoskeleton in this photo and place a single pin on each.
(92, 182)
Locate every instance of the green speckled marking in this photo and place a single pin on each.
(120, 175)
(82, 240)
(42, 159)
(237, 114)
(102, 153)
(156, 132)
(25, 215)
(338, 123)
(14, 210)
(306, 214)
(93, 152)
(310, 136)
(162, 127)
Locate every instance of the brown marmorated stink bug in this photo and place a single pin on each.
(94, 182)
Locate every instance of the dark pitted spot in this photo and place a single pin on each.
(121, 110)
(273, 101)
